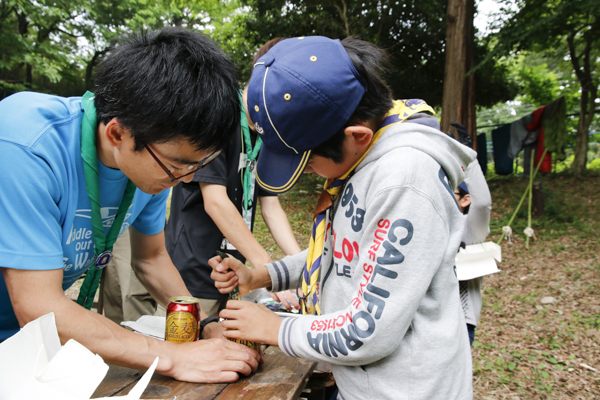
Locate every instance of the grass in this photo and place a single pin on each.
(524, 349)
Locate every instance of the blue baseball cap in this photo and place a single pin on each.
(464, 186)
(300, 94)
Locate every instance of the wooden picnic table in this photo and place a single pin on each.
(280, 377)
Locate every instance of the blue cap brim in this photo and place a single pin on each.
(278, 173)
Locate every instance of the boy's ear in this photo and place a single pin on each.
(362, 135)
(465, 201)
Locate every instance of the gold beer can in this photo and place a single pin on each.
(183, 318)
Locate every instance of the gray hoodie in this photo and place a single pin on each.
(392, 324)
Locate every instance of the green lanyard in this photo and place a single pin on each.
(103, 245)
(248, 178)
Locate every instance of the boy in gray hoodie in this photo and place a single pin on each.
(379, 291)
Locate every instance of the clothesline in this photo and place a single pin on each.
(504, 123)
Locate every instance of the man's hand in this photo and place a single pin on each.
(229, 273)
(287, 298)
(212, 361)
(251, 321)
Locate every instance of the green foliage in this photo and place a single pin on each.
(568, 30)
(54, 45)
(38, 41)
(496, 82)
(412, 32)
(541, 84)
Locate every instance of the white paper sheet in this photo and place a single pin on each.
(33, 365)
(478, 260)
(148, 325)
(138, 389)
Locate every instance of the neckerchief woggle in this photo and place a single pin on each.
(401, 110)
(103, 244)
(249, 155)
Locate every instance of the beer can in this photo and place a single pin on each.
(183, 318)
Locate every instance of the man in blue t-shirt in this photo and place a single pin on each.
(162, 108)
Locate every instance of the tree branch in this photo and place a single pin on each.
(588, 85)
(573, 55)
(59, 29)
(344, 16)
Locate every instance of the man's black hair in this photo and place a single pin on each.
(170, 84)
(371, 62)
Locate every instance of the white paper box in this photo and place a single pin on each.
(478, 260)
(33, 365)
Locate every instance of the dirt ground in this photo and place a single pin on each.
(538, 336)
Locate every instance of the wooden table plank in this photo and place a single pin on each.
(285, 379)
(280, 377)
(117, 379)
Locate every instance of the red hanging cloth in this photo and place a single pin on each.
(537, 124)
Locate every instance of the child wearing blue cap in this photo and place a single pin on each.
(474, 198)
(379, 291)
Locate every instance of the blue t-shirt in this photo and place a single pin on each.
(44, 208)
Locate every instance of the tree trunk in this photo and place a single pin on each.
(23, 24)
(587, 103)
(28, 76)
(470, 114)
(458, 103)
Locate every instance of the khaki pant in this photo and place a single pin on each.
(124, 298)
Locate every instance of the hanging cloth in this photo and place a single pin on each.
(538, 117)
(555, 129)
(103, 245)
(400, 112)
(248, 166)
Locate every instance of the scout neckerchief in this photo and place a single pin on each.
(401, 110)
(248, 165)
(103, 245)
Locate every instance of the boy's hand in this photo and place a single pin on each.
(287, 298)
(229, 273)
(251, 321)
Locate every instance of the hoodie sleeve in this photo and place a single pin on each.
(285, 272)
(405, 244)
(478, 219)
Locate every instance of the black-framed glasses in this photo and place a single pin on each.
(192, 168)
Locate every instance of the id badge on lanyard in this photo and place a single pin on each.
(247, 212)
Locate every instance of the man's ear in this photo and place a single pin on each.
(115, 132)
(362, 135)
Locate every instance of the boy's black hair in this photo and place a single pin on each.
(371, 62)
(170, 84)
